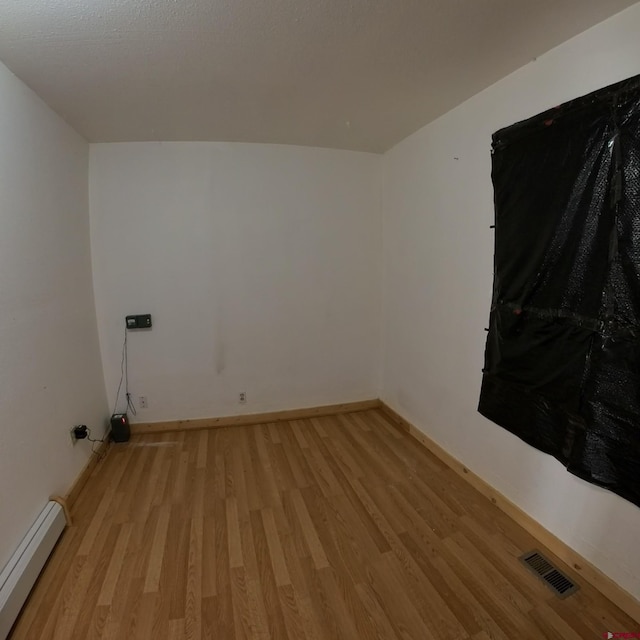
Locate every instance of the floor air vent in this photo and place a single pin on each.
(553, 577)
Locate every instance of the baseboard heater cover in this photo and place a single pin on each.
(24, 567)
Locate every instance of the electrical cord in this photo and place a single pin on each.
(122, 363)
(124, 376)
(130, 404)
(93, 441)
(96, 452)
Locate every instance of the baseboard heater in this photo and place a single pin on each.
(24, 567)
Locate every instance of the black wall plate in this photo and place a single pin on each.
(139, 322)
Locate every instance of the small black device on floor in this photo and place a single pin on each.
(120, 430)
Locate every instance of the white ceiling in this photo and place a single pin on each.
(349, 74)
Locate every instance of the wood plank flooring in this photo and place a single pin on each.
(339, 527)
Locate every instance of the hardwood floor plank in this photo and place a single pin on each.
(552, 624)
(242, 616)
(310, 534)
(125, 598)
(174, 569)
(259, 615)
(282, 472)
(210, 619)
(274, 432)
(241, 466)
(149, 609)
(297, 428)
(154, 569)
(179, 486)
(280, 571)
(203, 445)
(115, 566)
(176, 630)
(471, 614)
(193, 612)
(425, 596)
(290, 612)
(87, 576)
(267, 578)
(98, 623)
(379, 617)
(324, 475)
(319, 427)
(260, 475)
(345, 625)
(219, 477)
(233, 534)
(224, 610)
(293, 453)
(403, 616)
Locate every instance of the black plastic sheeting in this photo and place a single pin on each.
(562, 361)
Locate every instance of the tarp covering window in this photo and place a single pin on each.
(562, 362)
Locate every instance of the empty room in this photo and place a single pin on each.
(319, 319)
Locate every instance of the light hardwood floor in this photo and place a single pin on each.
(336, 527)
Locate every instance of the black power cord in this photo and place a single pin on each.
(82, 432)
(124, 376)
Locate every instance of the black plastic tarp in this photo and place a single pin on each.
(562, 361)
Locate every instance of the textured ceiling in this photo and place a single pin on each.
(350, 74)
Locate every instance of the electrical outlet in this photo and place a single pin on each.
(242, 397)
(143, 403)
(79, 432)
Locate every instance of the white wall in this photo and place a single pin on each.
(50, 374)
(437, 292)
(260, 264)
